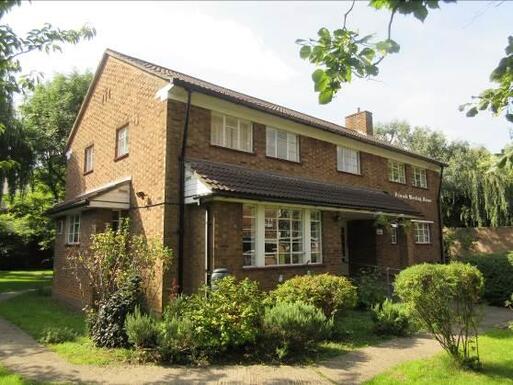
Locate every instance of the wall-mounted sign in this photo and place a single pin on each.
(412, 197)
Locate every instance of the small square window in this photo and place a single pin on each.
(419, 177)
(422, 233)
(348, 160)
(88, 159)
(122, 142)
(396, 172)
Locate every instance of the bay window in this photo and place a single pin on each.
(282, 144)
(231, 132)
(273, 235)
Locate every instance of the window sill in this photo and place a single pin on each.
(72, 244)
(349, 173)
(121, 157)
(420, 187)
(284, 160)
(276, 267)
(233, 149)
(423, 244)
(88, 172)
(401, 183)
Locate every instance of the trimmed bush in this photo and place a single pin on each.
(327, 292)
(141, 329)
(295, 326)
(391, 319)
(497, 270)
(228, 317)
(107, 327)
(370, 287)
(58, 335)
(443, 298)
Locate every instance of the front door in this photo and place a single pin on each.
(343, 248)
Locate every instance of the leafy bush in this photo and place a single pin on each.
(497, 270)
(225, 318)
(370, 287)
(443, 298)
(58, 335)
(176, 342)
(295, 326)
(327, 292)
(107, 326)
(142, 330)
(391, 319)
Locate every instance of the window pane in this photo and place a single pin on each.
(281, 138)
(248, 234)
(348, 160)
(216, 133)
(270, 141)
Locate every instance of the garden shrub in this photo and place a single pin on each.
(391, 319)
(370, 287)
(107, 326)
(295, 326)
(497, 270)
(228, 317)
(443, 298)
(176, 340)
(327, 292)
(142, 329)
(58, 335)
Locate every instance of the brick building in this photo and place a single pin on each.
(231, 181)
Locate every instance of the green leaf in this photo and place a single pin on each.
(324, 33)
(472, 112)
(317, 75)
(368, 53)
(322, 84)
(420, 13)
(326, 96)
(305, 51)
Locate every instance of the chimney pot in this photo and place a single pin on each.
(360, 122)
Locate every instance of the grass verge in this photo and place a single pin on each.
(495, 350)
(35, 314)
(9, 378)
(23, 280)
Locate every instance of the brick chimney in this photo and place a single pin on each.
(360, 122)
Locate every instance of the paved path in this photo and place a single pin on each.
(21, 354)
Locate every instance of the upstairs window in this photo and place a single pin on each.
(74, 229)
(348, 160)
(422, 233)
(282, 144)
(396, 172)
(88, 159)
(419, 177)
(231, 132)
(122, 142)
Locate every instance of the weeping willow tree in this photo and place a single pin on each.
(474, 192)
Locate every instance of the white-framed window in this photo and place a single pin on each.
(282, 144)
(89, 158)
(315, 236)
(419, 177)
(275, 235)
(59, 227)
(73, 229)
(248, 234)
(117, 219)
(396, 171)
(122, 142)
(422, 232)
(231, 132)
(348, 160)
(393, 234)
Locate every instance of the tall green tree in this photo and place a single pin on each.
(474, 193)
(16, 159)
(47, 116)
(343, 54)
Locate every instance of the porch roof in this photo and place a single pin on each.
(240, 182)
(113, 195)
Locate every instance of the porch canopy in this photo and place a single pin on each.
(114, 195)
(210, 179)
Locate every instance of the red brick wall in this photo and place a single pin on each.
(318, 160)
(123, 95)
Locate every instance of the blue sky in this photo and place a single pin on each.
(249, 46)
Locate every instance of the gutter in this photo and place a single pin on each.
(440, 225)
(181, 199)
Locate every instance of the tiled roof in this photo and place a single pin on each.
(202, 86)
(238, 181)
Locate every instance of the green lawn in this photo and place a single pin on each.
(35, 313)
(496, 348)
(8, 378)
(23, 280)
